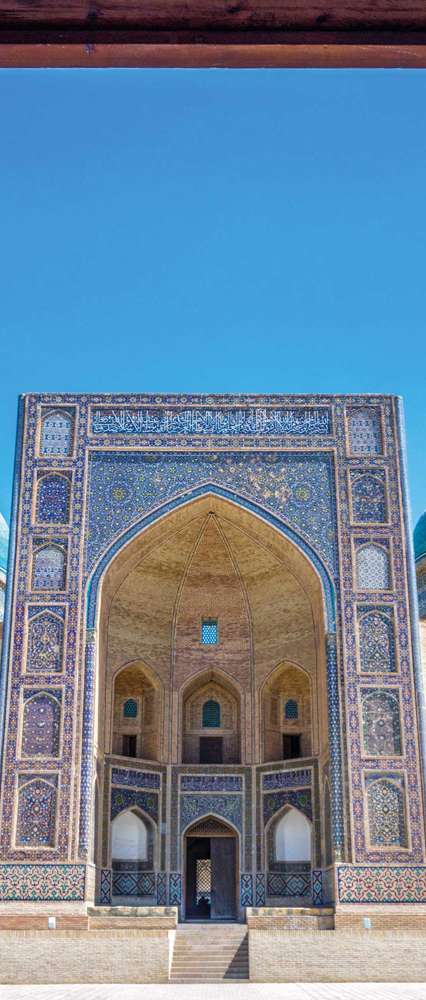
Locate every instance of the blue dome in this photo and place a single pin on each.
(4, 543)
(420, 537)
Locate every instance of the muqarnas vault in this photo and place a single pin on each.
(212, 691)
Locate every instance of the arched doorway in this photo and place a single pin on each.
(211, 870)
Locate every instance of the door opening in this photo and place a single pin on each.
(211, 872)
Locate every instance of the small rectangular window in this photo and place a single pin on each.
(209, 633)
(129, 746)
(291, 746)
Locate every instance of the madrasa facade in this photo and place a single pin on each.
(212, 679)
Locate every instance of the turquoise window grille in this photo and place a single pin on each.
(211, 714)
(130, 709)
(209, 633)
(291, 709)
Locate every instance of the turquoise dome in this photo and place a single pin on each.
(4, 544)
(420, 537)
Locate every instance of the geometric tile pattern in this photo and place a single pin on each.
(42, 882)
(369, 497)
(133, 883)
(373, 572)
(365, 434)
(289, 884)
(260, 889)
(317, 887)
(387, 884)
(125, 798)
(49, 568)
(274, 801)
(53, 500)
(386, 810)
(229, 807)
(381, 722)
(246, 889)
(175, 888)
(45, 643)
(36, 820)
(56, 435)
(124, 486)
(161, 889)
(376, 628)
(105, 888)
(41, 722)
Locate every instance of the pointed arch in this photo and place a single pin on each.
(305, 547)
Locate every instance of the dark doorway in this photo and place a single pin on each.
(291, 746)
(211, 873)
(211, 750)
(129, 746)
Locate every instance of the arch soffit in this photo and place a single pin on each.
(210, 675)
(209, 816)
(307, 552)
(136, 810)
(282, 668)
(151, 674)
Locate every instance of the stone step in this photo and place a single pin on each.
(210, 955)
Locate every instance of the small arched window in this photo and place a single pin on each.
(291, 710)
(130, 709)
(211, 714)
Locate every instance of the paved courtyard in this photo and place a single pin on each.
(241, 991)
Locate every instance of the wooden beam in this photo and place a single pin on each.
(203, 33)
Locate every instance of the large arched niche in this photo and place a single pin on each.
(210, 707)
(210, 558)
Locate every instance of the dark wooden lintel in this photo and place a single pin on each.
(202, 33)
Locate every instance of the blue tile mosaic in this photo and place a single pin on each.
(135, 778)
(124, 486)
(211, 783)
(229, 807)
(301, 778)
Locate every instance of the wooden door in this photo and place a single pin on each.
(223, 877)
(211, 750)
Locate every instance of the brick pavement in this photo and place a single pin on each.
(243, 991)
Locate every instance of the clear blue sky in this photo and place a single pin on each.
(259, 231)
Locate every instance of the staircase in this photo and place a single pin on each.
(210, 953)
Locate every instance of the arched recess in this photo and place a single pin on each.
(131, 554)
(211, 863)
(203, 741)
(292, 725)
(133, 856)
(135, 709)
